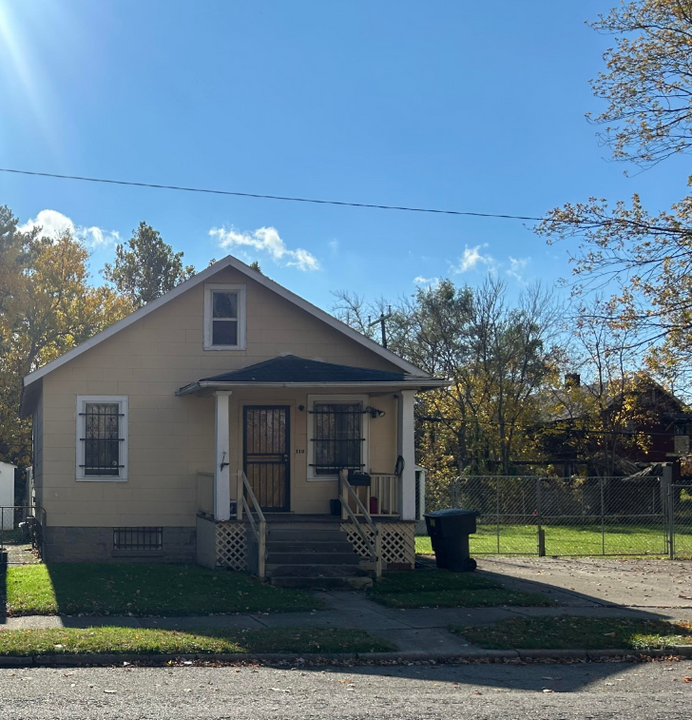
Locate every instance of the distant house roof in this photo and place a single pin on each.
(292, 370)
(567, 403)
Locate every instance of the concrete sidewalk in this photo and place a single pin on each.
(413, 631)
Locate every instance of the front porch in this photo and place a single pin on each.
(307, 451)
(231, 544)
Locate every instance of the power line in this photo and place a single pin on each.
(287, 198)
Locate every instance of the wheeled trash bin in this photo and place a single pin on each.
(449, 532)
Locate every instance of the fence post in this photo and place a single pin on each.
(539, 518)
(601, 482)
(668, 508)
(497, 512)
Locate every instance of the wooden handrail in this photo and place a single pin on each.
(259, 527)
(373, 545)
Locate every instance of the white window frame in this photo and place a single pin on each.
(209, 288)
(365, 427)
(122, 401)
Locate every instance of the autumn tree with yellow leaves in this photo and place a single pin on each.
(47, 306)
(645, 256)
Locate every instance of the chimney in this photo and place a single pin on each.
(572, 380)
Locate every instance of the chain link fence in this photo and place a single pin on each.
(529, 515)
(21, 534)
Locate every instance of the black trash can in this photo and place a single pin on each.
(449, 532)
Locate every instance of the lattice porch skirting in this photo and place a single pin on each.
(398, 543)
(231, 545)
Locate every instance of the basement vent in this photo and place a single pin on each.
(138, 538)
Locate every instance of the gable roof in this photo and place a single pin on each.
(232, 262)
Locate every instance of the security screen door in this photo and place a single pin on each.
(265, 455)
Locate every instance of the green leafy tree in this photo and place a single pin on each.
(146, 267)
(497, 356)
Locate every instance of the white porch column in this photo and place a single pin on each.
(407, 449)
(222, 456)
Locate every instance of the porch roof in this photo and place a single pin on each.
(292, 370)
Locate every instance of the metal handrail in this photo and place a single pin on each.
(259, 527)
(374, 545)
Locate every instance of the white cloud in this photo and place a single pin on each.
(516, 265)
(266, 239)
(54, 224)
(472, 257)
(420, 280)
(334, 246)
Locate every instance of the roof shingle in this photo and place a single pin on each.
(290, 369)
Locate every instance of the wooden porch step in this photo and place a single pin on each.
(292, 534)
(314, 571)
(323, 583)
(311, 557)
(312, 554)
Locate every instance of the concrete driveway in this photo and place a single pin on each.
(654, 585)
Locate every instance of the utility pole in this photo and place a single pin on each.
(381, 320)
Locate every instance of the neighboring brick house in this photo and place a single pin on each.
(613, 429)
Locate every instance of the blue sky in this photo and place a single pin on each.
(462, 105)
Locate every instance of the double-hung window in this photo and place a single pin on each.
(224, 317)
(338, 435)
(102, 437)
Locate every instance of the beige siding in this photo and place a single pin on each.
(38, 451)
(171, 438)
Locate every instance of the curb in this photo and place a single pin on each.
(385, 658)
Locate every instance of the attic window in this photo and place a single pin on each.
(224, 317)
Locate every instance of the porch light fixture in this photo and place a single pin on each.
(374, 412)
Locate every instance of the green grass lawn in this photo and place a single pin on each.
(578, 633)
(570, 540)
(441, 588)
(142, 589)
(131, 640)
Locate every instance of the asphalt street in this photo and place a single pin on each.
(588, 691)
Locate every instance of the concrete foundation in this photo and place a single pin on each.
(95, 544)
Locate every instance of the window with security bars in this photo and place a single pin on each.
(138, 538)
(338, 437)
(102, 438)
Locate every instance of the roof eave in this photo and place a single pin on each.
(417, 383)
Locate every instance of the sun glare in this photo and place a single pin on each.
(22, 77)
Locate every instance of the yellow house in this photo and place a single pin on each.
(232, 423)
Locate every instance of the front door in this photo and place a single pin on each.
(265, 454)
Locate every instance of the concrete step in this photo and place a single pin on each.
(276, 556)
(323, 583)
(312, 571)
